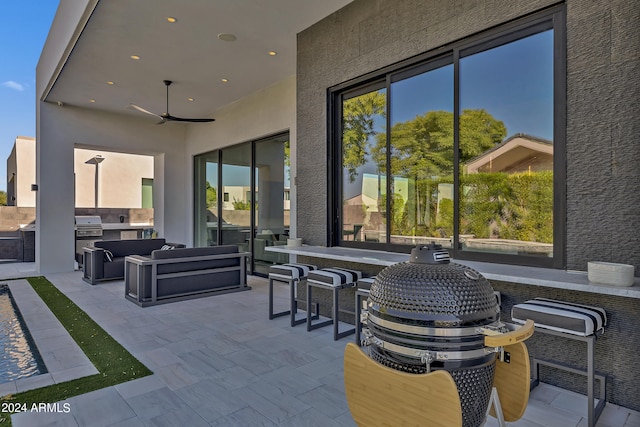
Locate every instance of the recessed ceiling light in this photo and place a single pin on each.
(226, 37)
(273, 53)
(171, 19)
(110, 82)
(190, 99)
(136, 57)
(92, 100)
(224, 80)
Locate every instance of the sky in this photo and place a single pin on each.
(22, 36)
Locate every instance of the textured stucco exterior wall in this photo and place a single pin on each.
(603, 133)
(602, 136)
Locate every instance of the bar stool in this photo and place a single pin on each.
(332, 279)
(290, 273)
(363, 286)
(572, 321)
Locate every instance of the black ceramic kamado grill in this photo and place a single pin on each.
(431, 314)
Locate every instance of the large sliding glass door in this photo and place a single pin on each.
(236, 196)
(239, 199)
(206, 199)
(271, 218)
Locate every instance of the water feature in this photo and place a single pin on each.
(19, 358)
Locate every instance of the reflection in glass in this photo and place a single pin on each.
(206, 200)
(236, 187)
(506, 148)
(272, 211)
(422, 158)
(363, 165)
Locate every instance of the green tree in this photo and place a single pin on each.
(479, 131)
(422, 151)
(239, 205)
(358, 125)
(211, 196)
(3, 198)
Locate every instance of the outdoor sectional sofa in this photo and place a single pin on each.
(186, 273)
(105, 259)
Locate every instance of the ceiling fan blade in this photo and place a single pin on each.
(166, 117)
(142, 110)
(182, 119)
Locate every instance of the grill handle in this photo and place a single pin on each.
(496, 339)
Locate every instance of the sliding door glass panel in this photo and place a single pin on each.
(271, 216)
(422, 158)
(364, 183)
(236, 196)
(206, 199)
(506, 148)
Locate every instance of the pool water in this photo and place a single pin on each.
(20, 357)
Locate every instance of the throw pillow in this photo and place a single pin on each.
(167, 247)
(108, 256)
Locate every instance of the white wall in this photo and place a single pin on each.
(264, 113)
(22, 163)
(119, 178)
(60, 129)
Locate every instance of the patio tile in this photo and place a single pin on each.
(100, 408)
(242, 418)
(73, 373)
(44, 419)
(633, 420)
(233, 378)
(255, 362)
(210, 399)
(158, 357)
(314, 418)
(140, 386)
(327, 400)
(180, 417)
(550, 417)
(176, 376)
(277, 395)
(155, 403)
(612, 415)
(220, 361)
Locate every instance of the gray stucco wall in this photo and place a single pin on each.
(602, 134)
(603, 130)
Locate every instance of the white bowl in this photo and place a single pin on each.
(610, 273)
(294, 242)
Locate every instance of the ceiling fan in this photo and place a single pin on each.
(166, 117)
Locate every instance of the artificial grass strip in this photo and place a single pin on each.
(114, 363)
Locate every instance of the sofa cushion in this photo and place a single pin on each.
(195, 252)
(122, 248)
(114, 269)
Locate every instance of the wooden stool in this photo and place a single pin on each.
(332, 279)
(291, 274)
(572, 321)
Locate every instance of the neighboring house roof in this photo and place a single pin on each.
(518, 153)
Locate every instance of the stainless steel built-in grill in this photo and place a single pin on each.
(427, 314)
(88, 231)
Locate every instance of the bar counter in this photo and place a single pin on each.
(535, 276)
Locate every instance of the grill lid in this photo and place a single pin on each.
(432, 291)
(88, 221)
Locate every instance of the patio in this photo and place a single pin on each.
(218, 361)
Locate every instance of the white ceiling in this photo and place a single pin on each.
(188, 52)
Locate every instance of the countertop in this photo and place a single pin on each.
(532, 276)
